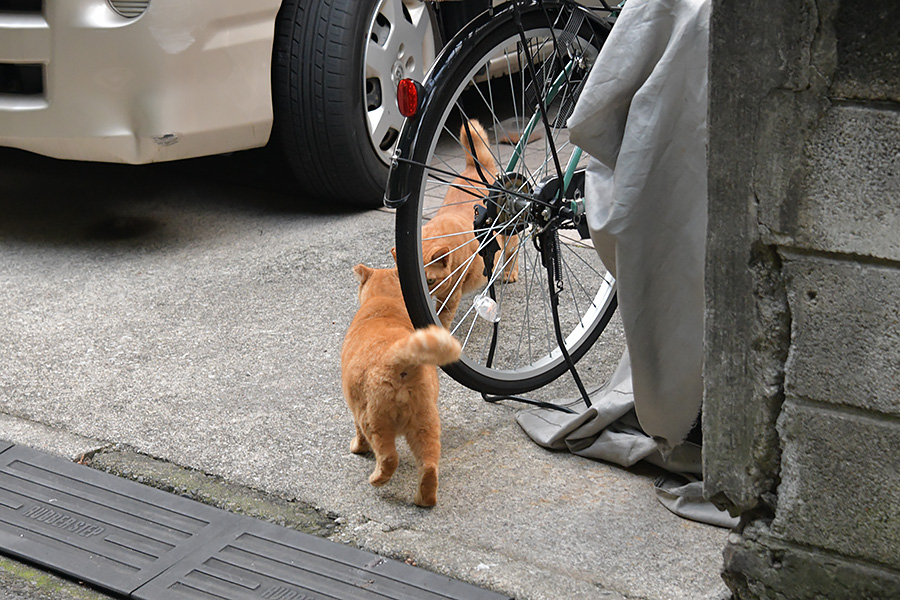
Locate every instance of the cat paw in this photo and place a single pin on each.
(425, 501)
(359, 446)
(426, 495)
(379, 479)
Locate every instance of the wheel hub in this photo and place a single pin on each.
(398, 71)
(512, 200)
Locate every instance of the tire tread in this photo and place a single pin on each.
(313, 77)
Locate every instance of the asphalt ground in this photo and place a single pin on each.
(181, 325)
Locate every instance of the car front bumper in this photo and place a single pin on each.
(186, 78)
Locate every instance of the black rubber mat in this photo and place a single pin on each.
(93, 526)
(262, 560)
(137, 541)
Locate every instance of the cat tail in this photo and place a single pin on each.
(479, 141)
(433, 345)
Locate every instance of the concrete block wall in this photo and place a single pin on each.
(802, 373)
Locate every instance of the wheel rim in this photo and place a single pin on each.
(400, 43)
(526, 346)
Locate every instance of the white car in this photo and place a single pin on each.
(141, 81)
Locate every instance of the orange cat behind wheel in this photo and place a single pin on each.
(453, 265)
(390, 381)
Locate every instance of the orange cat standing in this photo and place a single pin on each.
(390, 381)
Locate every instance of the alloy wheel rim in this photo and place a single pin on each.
(400, 43)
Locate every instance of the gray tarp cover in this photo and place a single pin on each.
(642, 118)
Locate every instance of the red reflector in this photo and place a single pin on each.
(408, 97)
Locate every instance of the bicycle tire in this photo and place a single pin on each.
(450, 79)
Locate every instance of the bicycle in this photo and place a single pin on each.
(518, 69)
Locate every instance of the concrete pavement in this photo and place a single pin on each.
(181, 325)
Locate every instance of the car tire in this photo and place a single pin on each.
(321, 121)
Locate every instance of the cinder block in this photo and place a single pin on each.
(868, 50)
(845, 333)
(846, 198)
(840, 483)
(757, 565)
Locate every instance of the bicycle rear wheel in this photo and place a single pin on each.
(491, 136)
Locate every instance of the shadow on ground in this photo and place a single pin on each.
(50, 201)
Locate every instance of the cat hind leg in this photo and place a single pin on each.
(510, 258)
(426, 446)
(426, 495)
(386, 459)
(359, 444)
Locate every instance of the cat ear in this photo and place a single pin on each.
(440, 255)
(362, 273)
